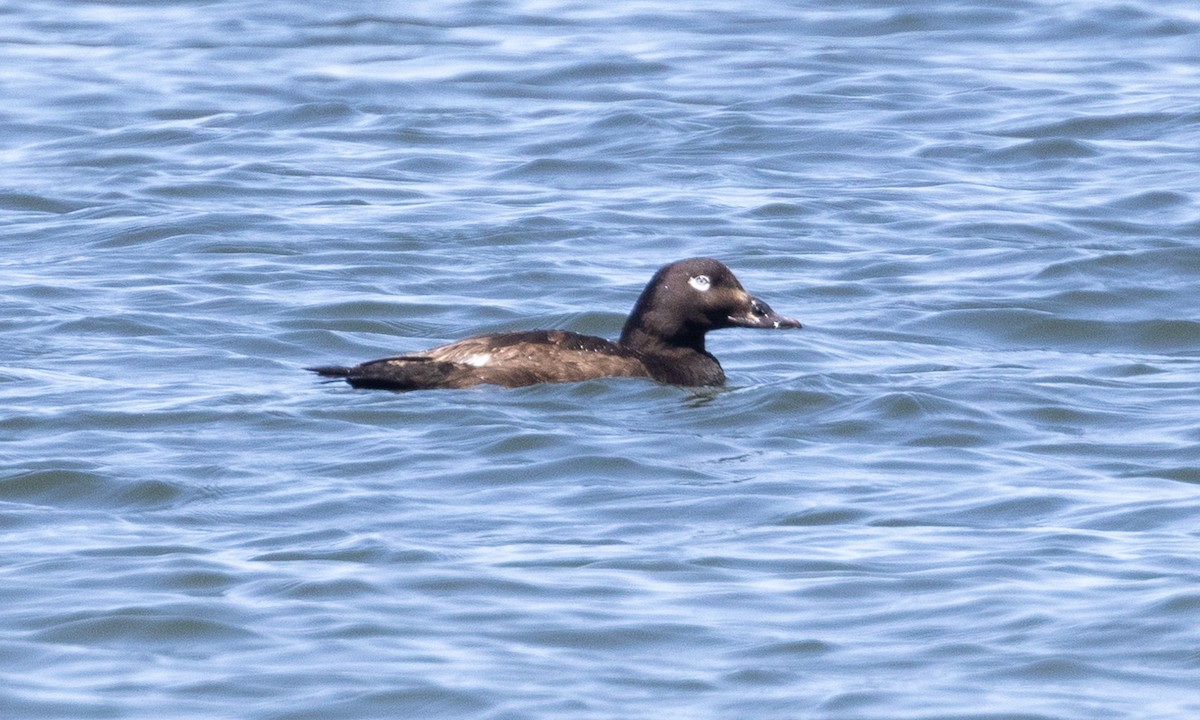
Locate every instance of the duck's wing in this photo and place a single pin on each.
(509, 359)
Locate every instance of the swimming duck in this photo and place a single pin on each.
(663, 339)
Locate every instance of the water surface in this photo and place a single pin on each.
(968, 488)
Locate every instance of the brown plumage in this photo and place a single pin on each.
(663, 339)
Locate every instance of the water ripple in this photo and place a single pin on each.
(967, 488)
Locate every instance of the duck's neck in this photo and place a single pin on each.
(678, 359)
(657, 341)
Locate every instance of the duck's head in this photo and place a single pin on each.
(686, 299)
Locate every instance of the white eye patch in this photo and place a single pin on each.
(700, 282)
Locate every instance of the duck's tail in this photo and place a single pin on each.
(401, 373)
(331, 371)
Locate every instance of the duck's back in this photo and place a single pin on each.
(509, 359)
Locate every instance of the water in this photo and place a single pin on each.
(969, 488)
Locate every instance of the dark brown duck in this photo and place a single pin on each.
(663, 339)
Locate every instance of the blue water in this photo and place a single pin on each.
(968, 488)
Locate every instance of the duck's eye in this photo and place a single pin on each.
(700, 282)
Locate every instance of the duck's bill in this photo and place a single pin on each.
(760, 315)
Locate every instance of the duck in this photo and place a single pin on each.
(662, 340)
